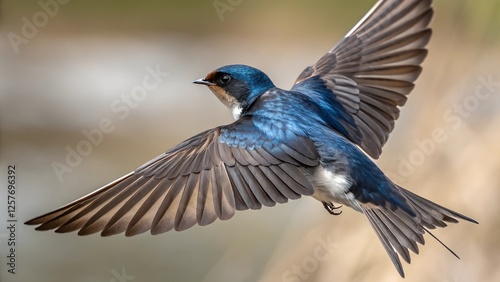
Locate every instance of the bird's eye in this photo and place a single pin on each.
(225, 79)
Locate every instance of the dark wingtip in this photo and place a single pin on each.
(37, 220)
(42, 228)
(31, 222)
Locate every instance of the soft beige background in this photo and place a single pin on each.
(65, 79)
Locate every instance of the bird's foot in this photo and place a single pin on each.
(331, 208)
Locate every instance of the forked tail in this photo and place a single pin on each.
(399, 232)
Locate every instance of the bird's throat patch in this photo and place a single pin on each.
(223, 96)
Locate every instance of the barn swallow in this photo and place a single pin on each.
(315, 139)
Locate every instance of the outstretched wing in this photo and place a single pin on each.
(370, 72)
(209, 176)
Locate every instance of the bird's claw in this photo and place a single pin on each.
(331, 208)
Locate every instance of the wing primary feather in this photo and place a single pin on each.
(77, 221)
(206, 206)
(120, 221)
(185, 216)
(163, 221)
(100, 216)
(225, 205)
(143, 218)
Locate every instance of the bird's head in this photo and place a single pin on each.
(237, 86)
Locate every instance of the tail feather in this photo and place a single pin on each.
(437, 211)
(442, 244)
(400, 232)
(405, 222)
(392, 233)
(428, 218)
(385, 242)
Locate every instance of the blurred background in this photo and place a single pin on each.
(69, 65)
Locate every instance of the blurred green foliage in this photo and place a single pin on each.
(201, 17)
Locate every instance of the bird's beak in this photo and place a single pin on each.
(203, 81)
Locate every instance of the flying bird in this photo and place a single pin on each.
(316, 139)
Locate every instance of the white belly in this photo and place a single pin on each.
(333, 187)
